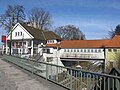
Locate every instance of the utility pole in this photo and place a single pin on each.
(11, 24)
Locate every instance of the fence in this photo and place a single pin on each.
(73, 79)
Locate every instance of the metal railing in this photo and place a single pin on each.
(73, 79)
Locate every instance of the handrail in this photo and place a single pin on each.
(110, 76)
(77, 78)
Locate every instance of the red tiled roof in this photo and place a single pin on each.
(114, 42)
(84, 43)
(52, 45)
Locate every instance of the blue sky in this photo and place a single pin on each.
(94, 17)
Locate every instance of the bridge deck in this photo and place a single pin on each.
(12, 78)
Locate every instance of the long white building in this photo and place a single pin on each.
(73, 52)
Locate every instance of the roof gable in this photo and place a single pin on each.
(32, 33)
(22, 33)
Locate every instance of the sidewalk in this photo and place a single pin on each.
(12, 78)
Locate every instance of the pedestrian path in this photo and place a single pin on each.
(12, 78)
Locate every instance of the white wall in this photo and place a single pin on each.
(56, 56)
(90, 54)
(19, 28)
(20, 34)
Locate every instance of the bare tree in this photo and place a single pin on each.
(70, 32)
(114, 32)
(39, 18)
(19, 16)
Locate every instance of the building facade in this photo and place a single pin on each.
(28, 41)
(89, 54)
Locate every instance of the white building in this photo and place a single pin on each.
(29, 41)
(72, 52)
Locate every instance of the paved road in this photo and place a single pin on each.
(12, 78)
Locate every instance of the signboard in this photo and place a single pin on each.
(3, 38)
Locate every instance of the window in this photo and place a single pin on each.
(49, 59)
(24, 43)
(71, 50)
(109, 50)
(81, 50)
(95, 50)
(15, 33)
(77, 50)
(64, 50)
(115, 50)
(16, 43)
(85, 50)
(13, 44)
(46, 50)
(18, 33)
(21, 33)
(20, 43)
(51, 41)
(92, 50)
(99, 50)
(88, 50)
(74, 50)
(68, 50)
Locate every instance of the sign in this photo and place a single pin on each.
(3, 38)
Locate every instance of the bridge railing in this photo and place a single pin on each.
(73, 79)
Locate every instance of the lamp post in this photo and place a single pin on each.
(11, 23)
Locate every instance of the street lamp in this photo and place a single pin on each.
(11, 22)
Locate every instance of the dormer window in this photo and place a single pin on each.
(50, 41)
